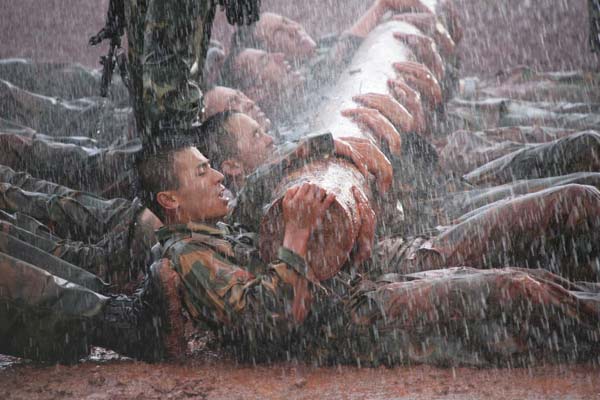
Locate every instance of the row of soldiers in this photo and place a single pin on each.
(210, 272)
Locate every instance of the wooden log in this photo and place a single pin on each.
(331, 244)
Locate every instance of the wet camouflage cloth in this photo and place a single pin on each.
(594, 11)
(88, 231)
(42, 316)
(230, 289)
(166, 38)
(450, 317)
(578, 152)
(58, 315)
(162, 49)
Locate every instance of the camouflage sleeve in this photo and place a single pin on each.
(226, 295)
(260, 185)
(171, 100)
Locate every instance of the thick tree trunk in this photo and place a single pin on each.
(331, 245)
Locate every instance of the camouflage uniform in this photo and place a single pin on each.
(88, 231)
(161, 52)
(578, 152)
(59, 315)
(453, 316)
(165, 39)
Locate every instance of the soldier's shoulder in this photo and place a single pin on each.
(179, 240)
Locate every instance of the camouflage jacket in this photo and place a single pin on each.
(229, 288)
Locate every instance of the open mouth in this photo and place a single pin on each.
(225, 195)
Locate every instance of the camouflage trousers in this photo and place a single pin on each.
(579, 152)
(74, 162)
(556, 229)
(82, 229)
(43, 315)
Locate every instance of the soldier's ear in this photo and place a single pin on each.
(167, 200)
(232, 168)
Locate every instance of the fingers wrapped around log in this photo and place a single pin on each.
(411, 99)
(420, 78)
(430, 26)
(378, 125)
(389, 107)
(333, 239)
(425, 50)
(369, 159)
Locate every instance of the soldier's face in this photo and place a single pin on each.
(281, 34)
(266, 77)
(201, 195)
(253, 144)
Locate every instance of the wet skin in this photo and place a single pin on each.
(282, 35)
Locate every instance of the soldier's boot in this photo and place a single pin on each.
(149, 325)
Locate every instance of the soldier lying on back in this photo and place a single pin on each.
(280, 310)
(112, 238)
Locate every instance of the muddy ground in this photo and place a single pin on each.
(218, 379)
(545, 34)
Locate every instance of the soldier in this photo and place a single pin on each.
(165, 39)
(456, 316)
(284, 308)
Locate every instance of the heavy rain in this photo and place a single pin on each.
(214, 199)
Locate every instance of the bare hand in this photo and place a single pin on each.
(429, 25)
(366, 233)
(378, 125)
(425, 50)
(303, 208)
(421, 78)
(368, 159)
(411, 99)
(389, 107)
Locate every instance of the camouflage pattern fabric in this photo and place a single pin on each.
(80, 228)
(227, 286)
(594, 11)
(463, 316)
(43, 316)
(449, 317)
(574, 153)
(554, 229)
(161, 53)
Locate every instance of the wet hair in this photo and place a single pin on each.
(215, 142)
(156, 173)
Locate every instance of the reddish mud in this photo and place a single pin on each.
(547, 34)
(213, 379)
